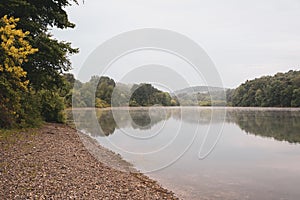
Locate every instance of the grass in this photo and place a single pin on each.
(9, 137)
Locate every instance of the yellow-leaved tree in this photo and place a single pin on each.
(14, 50)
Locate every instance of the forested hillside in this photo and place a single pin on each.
(201, 96)
(280, 90)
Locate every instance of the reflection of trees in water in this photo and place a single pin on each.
(85, 121)
(140, 119)
(280, 125)
(109, 120)
(147, 118)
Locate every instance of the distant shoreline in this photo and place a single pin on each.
(191, 107)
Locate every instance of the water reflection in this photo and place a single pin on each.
(280, 125)
(107, 122)
(241, 166)
(147, 118)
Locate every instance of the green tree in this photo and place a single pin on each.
(67, 91)
(296, 98)
(43, 69)
(259, 96)
(280, 90)
(52, 106)
(147, 95)
(143, 94)
(105, 89)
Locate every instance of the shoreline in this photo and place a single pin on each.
(55, 161)
(189, 107)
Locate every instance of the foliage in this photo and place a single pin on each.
(229, 95)
(121, 95)
(202, 98)
(52, 106)
(43, 69)
(84, 94)
(13, 84)
(146, 95)
(37, 17)
(105, 89)
(280, 90)
(14, 51)
(69, 81)
(103, 92)
(296, 98)
(99, 103)
(30, 114)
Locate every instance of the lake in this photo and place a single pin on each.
(205, 152)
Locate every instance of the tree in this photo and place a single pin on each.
(259, 97)
(296, 98)
(44, 68)
(105, 89)
(37, 16)
(143, 94)
(229, 96)
(280, 90)
(13, 83)
(147, 95)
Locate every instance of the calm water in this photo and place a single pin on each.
(201, 153)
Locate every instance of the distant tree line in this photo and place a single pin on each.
(103, 92)
(209, 98)
(280, 90)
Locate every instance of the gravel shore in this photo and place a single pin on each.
(53, 162)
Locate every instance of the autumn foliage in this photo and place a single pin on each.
(13, 83)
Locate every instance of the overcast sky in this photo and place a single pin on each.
(245, 39)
